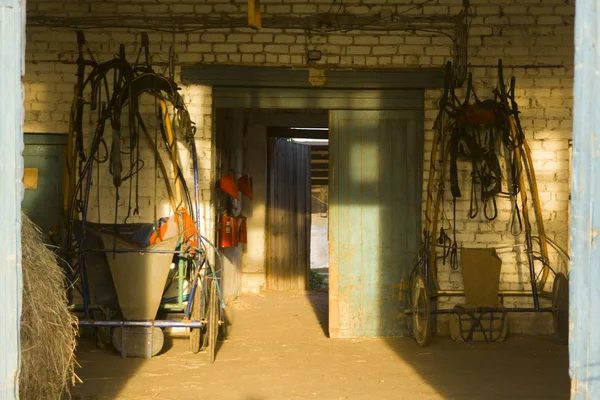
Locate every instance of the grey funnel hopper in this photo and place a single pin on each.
(139, 278)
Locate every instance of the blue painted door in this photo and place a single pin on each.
(584, 274)
(376, 163)
(43, 204)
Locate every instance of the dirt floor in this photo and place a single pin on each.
(277, 349)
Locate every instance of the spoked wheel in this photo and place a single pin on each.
(196, 315)
(422, 317)
(560, 305)
(213, 321)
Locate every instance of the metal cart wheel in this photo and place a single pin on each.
(422, 317)
(213, 320)
(560, 305)
(196, 315)
(223, 329)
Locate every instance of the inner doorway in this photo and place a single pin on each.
(317, 141)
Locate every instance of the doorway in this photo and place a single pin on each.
(373, 190)
(316, 140)
(288, 214)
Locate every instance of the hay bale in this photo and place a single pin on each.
(48, 335)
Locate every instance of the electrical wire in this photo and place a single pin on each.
(313, 23)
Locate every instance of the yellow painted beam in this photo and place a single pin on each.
(254, 17)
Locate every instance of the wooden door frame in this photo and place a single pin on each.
(252, 87)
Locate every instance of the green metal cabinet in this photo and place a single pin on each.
(44, 203)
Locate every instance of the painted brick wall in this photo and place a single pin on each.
(522, 33)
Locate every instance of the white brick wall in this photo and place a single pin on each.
(521, 33)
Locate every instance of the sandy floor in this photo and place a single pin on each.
(277, 349)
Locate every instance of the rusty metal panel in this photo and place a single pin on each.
(375, 201)
(288, 215)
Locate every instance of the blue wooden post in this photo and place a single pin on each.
(584, 341)
(12, 51)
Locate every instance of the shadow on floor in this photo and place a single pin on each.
(523, 367)
(94, 356)
(278, 350)
(319, 301)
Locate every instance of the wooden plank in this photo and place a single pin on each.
(289, 191)
(270, 211)
(283, 262)
(275, 77)
(288, 268)
(297, 217)
(307, 217)
(12, 48)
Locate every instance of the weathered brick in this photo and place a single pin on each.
(384, 50)
(239, 38)
(181, 8)
(203, 9)
(294, 59)
(304, 8)
(359, 60)
(492, 10)
(358, 50)
(225, 48)
(278, 9)
(285, 39)
(417, 40)
(362, 40)
(550, 20)
(149, 8)
(226, 8)
(262, 38)
(277, 48)
(213, 37)
(297, 49)
(199, 47)
(344, 40)
(251, 48)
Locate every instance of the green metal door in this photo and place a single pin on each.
(376, 163)
(43, 156)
